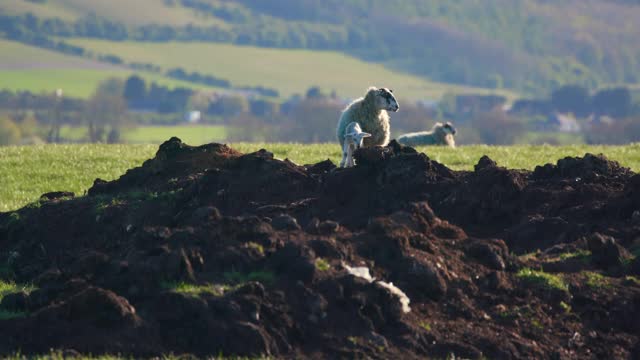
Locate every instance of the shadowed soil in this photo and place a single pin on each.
(266, 245)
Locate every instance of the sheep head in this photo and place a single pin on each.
(382, 99)
(448, 128)
(355, 138)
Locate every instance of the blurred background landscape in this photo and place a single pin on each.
(504, 72)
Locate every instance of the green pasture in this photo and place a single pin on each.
(26, 172)
(196, 135)
(287, 70)
(138, 12)
(24, 67)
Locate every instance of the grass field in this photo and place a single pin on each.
(195, 135)
(24, 67)
(138, 12)
(288, 71)
(26, 172)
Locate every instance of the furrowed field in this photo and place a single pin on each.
(29, 171)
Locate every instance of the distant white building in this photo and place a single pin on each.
(193, 117)
(565, 123)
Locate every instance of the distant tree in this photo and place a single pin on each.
(135, 90)
(497, 128)
(311, 121)
(200, 101)
(619, 132)
(315, 93)
(28, 125)
(114, 136)
(264, 108)
(229, 106)
(9, 131)
(175, 100)
(111, 86)
(613, 102)
(105, 112)
(571, 98)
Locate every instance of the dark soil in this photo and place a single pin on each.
(270, 241)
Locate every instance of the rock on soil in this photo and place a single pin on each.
(207, 251)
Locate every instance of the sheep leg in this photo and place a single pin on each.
(345, 151)
(344, 159)
(350, 161)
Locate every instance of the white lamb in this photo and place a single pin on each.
(371, 113)
(440, 134)
(353, 139)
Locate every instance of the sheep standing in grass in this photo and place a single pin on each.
(371, 113)
(353, 139)
(440, 134)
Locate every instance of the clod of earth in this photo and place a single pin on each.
(207, 251)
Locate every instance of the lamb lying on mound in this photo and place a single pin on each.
(371, 113)
(353, 139)
(440, 134)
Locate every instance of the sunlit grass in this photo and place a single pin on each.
(26, 172)
(542, 279)
(195, 289)
(193, 135)
(7, 288)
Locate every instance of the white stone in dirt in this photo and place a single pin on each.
(404, 299)
(360, 271)
(363, 272)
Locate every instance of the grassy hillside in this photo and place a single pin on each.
(29, 171)
(138, 12)
(288, 71)
(525, 44)
(24, 67)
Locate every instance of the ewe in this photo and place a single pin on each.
(353, 139)
(370, 112)
(440, 134)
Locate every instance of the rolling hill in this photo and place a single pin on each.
(138, 12)
(529, 45)
(24, 67)
(286, 70)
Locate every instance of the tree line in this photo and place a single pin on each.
(498, 43)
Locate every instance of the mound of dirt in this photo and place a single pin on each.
(207, 251)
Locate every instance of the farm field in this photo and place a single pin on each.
(24, 67)
(29, 171)
(139, 12)
(288, 71)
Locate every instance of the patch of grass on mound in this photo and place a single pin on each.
(542, 279)
(194, 289)
(632, 280)
(7, 288)
(322, 265)
(583, 255)
(596, 281)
